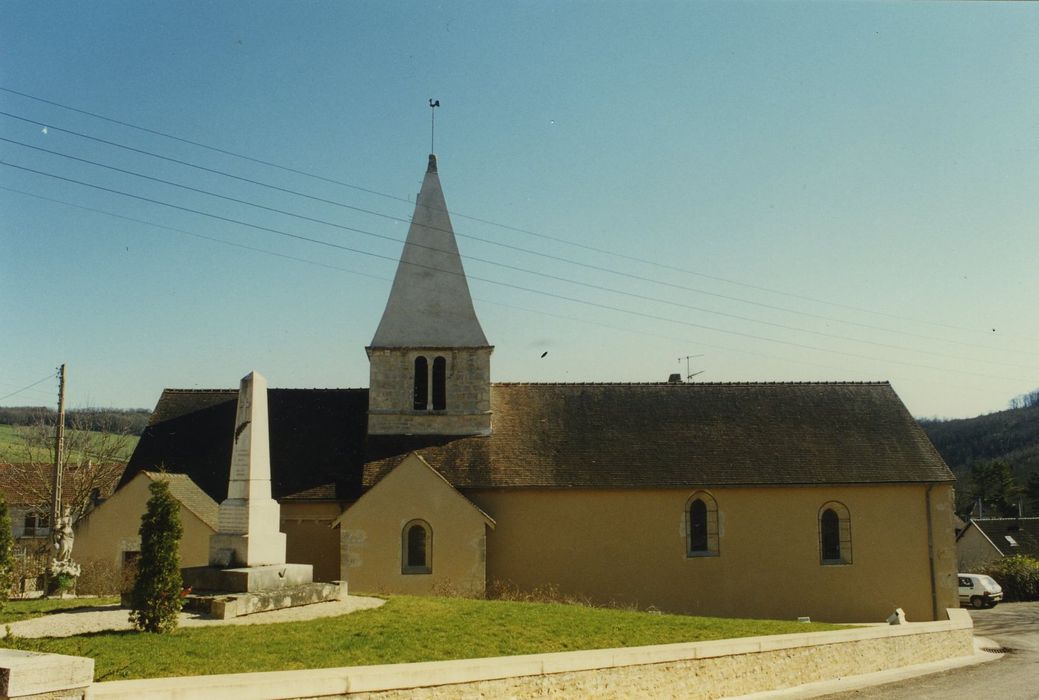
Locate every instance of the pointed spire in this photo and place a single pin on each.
(429, 304)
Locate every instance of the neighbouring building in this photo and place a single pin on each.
(111, 532)
(735, 499)
(985, 540)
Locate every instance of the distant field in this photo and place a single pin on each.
(12, 447)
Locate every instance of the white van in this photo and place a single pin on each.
(979, 591)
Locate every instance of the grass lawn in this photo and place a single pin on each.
(405, 629)
(35, 607)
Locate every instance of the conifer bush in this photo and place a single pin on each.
(156, 601)
(6, 553)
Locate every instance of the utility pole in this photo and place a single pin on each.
(59, 453)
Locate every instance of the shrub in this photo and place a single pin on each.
(155, 601)
(99, 577)
(6, 553)
(1018, 575)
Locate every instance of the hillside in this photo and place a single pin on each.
(1012, 435)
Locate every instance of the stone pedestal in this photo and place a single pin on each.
(250, 579)
(224, 606)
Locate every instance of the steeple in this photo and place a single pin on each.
(429, 359)
(429, 304)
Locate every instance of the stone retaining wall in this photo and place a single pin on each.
(695, 670)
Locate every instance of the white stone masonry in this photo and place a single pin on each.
(248, 533)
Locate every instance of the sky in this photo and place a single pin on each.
(788, 191)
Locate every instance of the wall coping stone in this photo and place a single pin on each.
(359, 679)
(34, 673)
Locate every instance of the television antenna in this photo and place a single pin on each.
(688, 374)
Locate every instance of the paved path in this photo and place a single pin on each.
(102, 618)
(1015, 676)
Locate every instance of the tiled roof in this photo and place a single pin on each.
(1023, 534)
(24, 483)
(567, 436)
(190, 495)
(317, 438)
(671, 435)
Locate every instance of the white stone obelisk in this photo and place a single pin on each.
(248, 533)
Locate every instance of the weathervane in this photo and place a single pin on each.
(433, 104)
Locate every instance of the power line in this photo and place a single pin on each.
(507, 284)
(398, 219)
(514, 268)
(30, 386)
(544, 236)
(538, 312)
(574, 319)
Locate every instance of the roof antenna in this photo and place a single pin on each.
(433, 104)
(688, 374)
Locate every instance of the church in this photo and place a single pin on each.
(767, 500)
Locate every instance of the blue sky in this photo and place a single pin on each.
(787, 191)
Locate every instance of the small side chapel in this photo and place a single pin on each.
(772, 500)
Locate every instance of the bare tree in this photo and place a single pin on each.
(92, 463)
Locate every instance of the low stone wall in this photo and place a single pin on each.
(695, 670)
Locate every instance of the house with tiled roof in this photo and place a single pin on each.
(109, 534)
(736, 499)
(985, 540)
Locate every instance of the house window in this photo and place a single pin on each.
(701, 525)
(439, 384)
(416, 548)
(834, 534)
(36, 524)
(421, 383)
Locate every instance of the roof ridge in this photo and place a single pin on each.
(711, 384)
(169, 390)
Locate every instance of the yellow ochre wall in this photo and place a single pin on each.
(371, 537)
(309, 536)
(628, 546)
(113, 528)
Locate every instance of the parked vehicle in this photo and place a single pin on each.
(979, 591)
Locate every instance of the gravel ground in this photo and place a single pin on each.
(111, 617)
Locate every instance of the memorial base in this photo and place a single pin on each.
(223, 606)
(247, 579)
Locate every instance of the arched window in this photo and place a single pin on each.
(834, 534)
(421, 383)
(701, 515)
(416, 548)
(439, 384)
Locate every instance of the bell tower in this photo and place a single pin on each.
(430, 363)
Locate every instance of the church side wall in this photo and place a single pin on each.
(629, 547)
